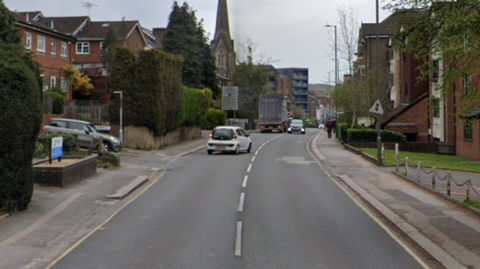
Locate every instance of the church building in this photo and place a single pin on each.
(223, 46)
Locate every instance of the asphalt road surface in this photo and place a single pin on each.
(271, 208)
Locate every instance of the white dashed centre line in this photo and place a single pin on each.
(256, 153)
(249, 168)
(245, 180)
(253, 159)
(238, 240)
(242, 201)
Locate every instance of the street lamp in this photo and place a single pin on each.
(336, 70)
(377, 71)
(121, 117)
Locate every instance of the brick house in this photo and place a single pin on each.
(50, 46)
(409, 98)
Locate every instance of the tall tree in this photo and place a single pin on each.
(252, 81)
(181, 38)
(8, 32)
(209, 68)
(445, 32)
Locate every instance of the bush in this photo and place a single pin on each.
(214, 117)
(370, 135)
(58, 96)
(70, 144)
(20, 120)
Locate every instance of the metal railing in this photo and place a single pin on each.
(94, 113)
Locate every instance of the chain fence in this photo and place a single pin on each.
(431, 177)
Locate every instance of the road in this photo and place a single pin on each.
(272, 208)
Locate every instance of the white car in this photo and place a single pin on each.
(229, 139)
(321, 126)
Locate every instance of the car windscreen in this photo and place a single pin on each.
(296, 123)
(222, 134)
(93, 128)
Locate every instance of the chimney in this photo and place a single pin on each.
(28, 17)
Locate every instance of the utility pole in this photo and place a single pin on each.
(89, 6)
(336, 71)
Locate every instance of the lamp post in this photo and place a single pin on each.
(121, 117)
(377, 71)
(336, 70)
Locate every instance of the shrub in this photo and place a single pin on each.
(20, 120)
(214, 117)
(70, 143)
(370, 135)
(58, 96)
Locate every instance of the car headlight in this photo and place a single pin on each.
(289, 128)
(303, 130)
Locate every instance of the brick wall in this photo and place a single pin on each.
(418, 114)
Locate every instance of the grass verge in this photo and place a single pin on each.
(472, 203)
(428, 160)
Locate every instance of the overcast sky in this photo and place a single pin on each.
(291, 32)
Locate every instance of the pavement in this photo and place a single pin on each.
(447, 231)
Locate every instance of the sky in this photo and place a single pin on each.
(289, 32)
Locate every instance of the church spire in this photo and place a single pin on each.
(223, 28)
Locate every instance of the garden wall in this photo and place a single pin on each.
(141, 138)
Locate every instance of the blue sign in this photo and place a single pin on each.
(57, 147)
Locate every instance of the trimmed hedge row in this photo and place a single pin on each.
(370, 135)
(195, 104)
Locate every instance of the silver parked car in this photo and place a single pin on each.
(88, 135)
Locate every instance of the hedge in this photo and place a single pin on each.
(20, 120)
(370, 135)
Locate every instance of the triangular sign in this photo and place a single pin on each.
(376, 108)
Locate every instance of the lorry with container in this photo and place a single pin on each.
(272, 113)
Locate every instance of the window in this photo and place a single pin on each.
(41, 44)
(435, 69)
(467, 130)
(467, 41)
(102, 49)
(58, 123)
(54, 47)
(53, 82)
(467, 84)
(220, 60)
(28, 41)
(83, 48)
(64, 49)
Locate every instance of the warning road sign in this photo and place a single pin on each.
(377, 108)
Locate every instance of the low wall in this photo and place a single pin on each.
(67, 175)
(141, 138)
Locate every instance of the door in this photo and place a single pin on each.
(85, 139)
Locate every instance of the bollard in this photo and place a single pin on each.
(419, 169)
(434, 174)
(406, 166)
(397, 161)
(383, 153)
(448, 184)
(468, 193)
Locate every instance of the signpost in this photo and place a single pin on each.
(230, 98)
(57, 149)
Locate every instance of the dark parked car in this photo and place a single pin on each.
(88, 135)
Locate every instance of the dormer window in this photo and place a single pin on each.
(105, 24)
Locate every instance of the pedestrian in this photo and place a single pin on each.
(329, 126)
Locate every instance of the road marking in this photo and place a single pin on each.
(40, 222)
(373, 217)
(238, 240)
(245, 180)
(263, 144)
(253, 159)
(256, 153)
(260, 147)
(242, 201)
(100, 227)
(249, 168)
